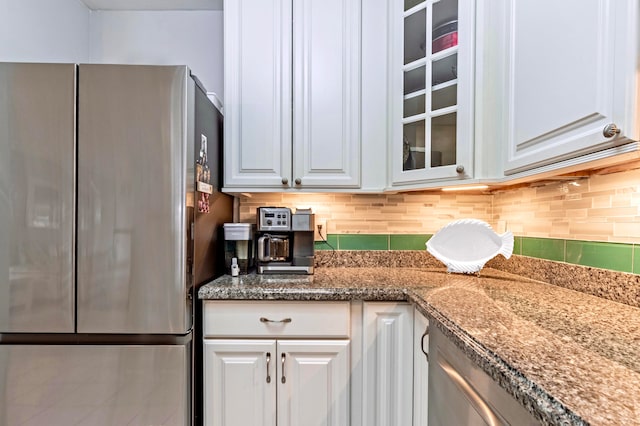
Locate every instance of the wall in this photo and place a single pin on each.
(67, 31)
(44, 31)
(184, 37)
(593, 221)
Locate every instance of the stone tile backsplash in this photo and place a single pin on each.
(599, 208)
(592, 221)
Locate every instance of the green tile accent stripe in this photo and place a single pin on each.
(543, 248)
(331, 244)
(363, 242)
(618, 257)
(517, 245)
(613, 256)
(408, 242)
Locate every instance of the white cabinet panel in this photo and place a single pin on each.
(570, 74)
(313, 384)
(326, 107)
(240, 382)
(257, 74)
(387, 363)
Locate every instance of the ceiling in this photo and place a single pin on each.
(153, 4)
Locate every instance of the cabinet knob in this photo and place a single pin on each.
(298, 181)
(460, 169)
(610, 130)
(285, 181)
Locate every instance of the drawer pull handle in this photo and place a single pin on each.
(268, 368)
(426, 333)
(489, 416)
(263, 319)
(284, 379)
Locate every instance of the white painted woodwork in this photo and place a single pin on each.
(316, 389)
(292, 94)
(387, 363)
(420, 370)
(236, 392)
(374, 96)
(242, 319)
(463, 108)
(326, 92)
(567, 81)
(356, 368)
(257, 87)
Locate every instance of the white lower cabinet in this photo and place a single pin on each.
(270, 382)
(314, 363)
(287, 364)
(387, 360)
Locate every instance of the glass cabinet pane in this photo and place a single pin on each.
(443, 140)
(444, 97)
(445, 13)
(413, 146)
(415, 29)
(414, 80)
(445, 69)
(414, 105)
(408, 4)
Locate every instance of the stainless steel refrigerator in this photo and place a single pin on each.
(109, 221)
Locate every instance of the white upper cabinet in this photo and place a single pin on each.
(572, 72)
(431, 86)
(257, 87)
(292, 94)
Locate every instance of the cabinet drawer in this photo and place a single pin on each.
(278, 319)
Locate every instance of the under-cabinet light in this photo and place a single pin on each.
(465, 188)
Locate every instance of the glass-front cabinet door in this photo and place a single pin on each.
(431, 90)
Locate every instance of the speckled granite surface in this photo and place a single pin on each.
(568, 357)
(617, 286)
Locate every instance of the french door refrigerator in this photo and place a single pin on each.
(109, 221)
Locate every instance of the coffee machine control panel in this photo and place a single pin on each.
(274, 219)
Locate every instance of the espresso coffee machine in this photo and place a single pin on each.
(285, 240)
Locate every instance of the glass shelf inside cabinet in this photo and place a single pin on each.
(429, 83)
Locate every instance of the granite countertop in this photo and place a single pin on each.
(568, 357)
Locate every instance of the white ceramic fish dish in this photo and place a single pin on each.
(465, 245)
